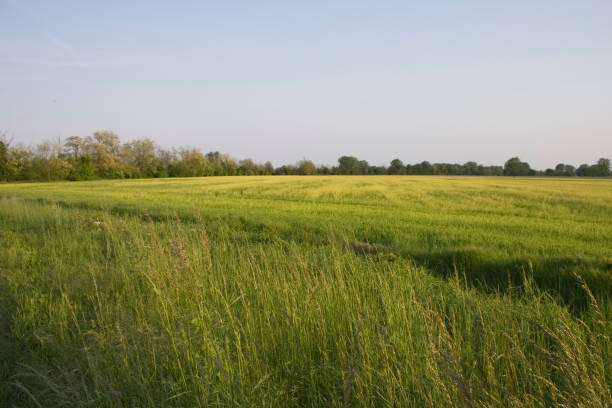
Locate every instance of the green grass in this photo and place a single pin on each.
(306, 291)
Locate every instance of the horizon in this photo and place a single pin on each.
(281, 82)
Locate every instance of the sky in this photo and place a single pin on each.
(443, 81)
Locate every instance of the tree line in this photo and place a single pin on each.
(103, 156)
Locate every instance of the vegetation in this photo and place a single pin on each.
(103, 156)
(306, 291)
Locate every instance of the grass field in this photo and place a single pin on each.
(307, 291)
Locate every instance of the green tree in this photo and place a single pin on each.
(247, 167)
(472, 169)
(515, 167)
(48, 163)
(397, 167)
(604, 167)
(104, 149)
(85, 169)
(348, 165)
(192, 163)
(140, 155)
(306, 167)
(324, 170)
(425, 167)
(4, 160)
(583, 170)
(493, 171)
(74, 147)
(268, 168)
(110, 140)
(222, 164)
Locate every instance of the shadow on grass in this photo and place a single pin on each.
(559, 276)
(9, 350)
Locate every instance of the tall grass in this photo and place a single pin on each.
(493, 230)
(107, 309)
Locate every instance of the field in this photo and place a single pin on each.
(307, 291)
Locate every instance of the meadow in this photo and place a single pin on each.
(307, 291)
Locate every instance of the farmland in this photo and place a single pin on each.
(316, 291)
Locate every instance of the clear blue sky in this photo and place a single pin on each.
(281, 80)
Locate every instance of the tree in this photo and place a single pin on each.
(515, 167)
(74, 146)
(48, 163)
(284, 170)
(425, 167)
(192, 163)
(85, 169)
(324, 170)
(4, 159)
(600, 169)
(140, 155)
(247, 167)
(604, 167)
(397, 167)
(306, 167)
(378, 170)
(268, 168)
(20, 163)
(104, 149)
(472, 168)
(493, 171)
(348, 165)
(363, 167)
(108, 139)
(222, 164)
(583, 170)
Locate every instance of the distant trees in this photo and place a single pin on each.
(602, 168)
(306, 167)
(561, 170)
(351, 165)
(515, 167)
(4, 159)
(48, 162)
(397, 167)
(190, 163)
(102, 155)
(19, 165)
(268, 168)
(140, 158)
(599, 169)
(472, 168)
(74, 147)
(247, 167)
(424, 167)
(222, 164)
(104, 150)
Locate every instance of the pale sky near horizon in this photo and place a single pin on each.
(443, 81)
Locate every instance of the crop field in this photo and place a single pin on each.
(307, 291)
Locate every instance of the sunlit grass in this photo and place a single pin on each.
(250, 292)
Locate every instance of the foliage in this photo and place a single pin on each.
(515, 167)
(103, 156)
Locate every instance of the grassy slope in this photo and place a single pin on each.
(246, 295)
